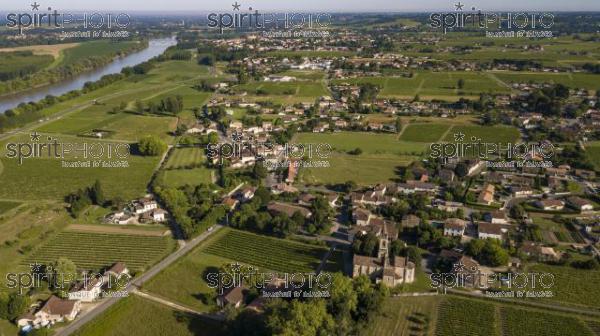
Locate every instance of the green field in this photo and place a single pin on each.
(92, 49)
(38, 179)
(405, 316)
(424, 132)
(21, 63)
(270, 253)
(489, 134)
(180, 177)
(572, 80)
(572, 286)
(466, 317)
(382, 155)
(6, 206)
(137, 316)
(433, 85)
(308, 90)
(94, 251)
(593, 153)
(520, 322)
(370, 143)
(185, 280)
(185, 158)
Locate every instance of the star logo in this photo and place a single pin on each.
(459, 6)
(35, 6)
(459, 136)
(35, 136)
(236, 136)
(458, 266)
(235, 267)
(236, 6)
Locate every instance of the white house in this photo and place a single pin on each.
(53, 311)
(487, 230)
(87, 290)
(454, 227)
(158, 215)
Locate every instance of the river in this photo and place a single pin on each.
(155, 48)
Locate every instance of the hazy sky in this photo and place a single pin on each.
(312, 5)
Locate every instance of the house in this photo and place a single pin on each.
(87, 290)
(247, 193)
(580, 204)
(410, 221)
(144, 205)
(230, 202)
(411, 187)
(361, 216)
(454, 227)
(488, 230)
(474, 167)
(496, 217)
(377, 226)
(585, 174)
(332, 198)
(233, 296)
(550, 204)
(448, 206)
(276, 208)
(306, 199)
(486, 196)
(446, 175)
(158, 215)
(539, 252)
(518, 191)
(53, 311)
(283, 188)
(117, 269)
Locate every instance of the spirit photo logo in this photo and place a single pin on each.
(477, 19)
(38, 18)
(272, 284)
(253, 19)
(52, 148)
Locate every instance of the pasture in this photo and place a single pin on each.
(179, 177)
(185, 158)
(94, 251)
(489, 134)
(424, 132)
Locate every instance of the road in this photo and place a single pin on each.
(107, 303)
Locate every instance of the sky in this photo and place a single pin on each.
(312, 5)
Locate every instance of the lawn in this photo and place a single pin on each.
(137, 316)
(489, 134)
(180, 177)
(405, 316)
(363, 169)
(185, 158)
(93, 251)
(424, 132)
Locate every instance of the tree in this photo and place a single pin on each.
(208, 60)
(97, 194)
(151, 145)
(461, 84)
(16, 306)
(300, 318)
(259, 171)
(64, 273)
(461, 169)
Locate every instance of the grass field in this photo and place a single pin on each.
(6, 206)
(39, 179)
(593, 153)
(433, 85)
(382, 155)
(424, 132)
(137, 316)
(307, 90)
(489, 134)
(180, 177)
(185, 158)
(94, 251)
(94, 49)
(405, 316)
(370, 143)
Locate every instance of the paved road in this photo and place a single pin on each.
(107, 303)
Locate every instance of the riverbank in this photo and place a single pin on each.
(84, 57)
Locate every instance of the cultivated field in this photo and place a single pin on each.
(405, 316)
(137, 316)
(185, 158)
(489, 134)
(466, 317)
(424, 132)
(180, 177)
(520, 322)
(98, 250)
